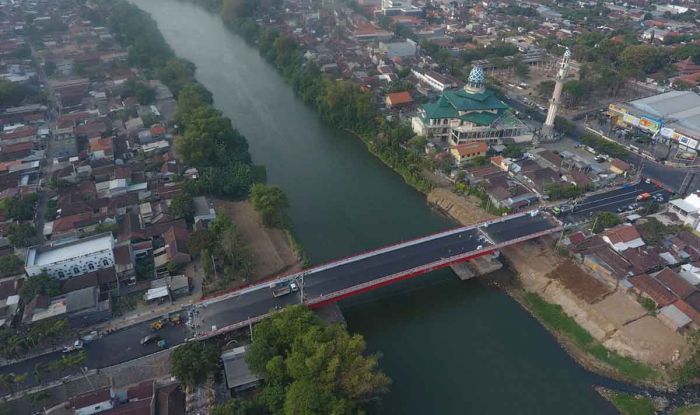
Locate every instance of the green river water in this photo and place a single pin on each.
(450, 347)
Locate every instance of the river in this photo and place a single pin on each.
(450, 347)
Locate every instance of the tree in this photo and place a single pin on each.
(41, 284)
(513, 151)
(193, 362)
(639, 60)
(20, 234)
(10, 265)
(11, 94)
(311, 367)
(182, 206)
(271, 203)
(522, 70)
(604, 220)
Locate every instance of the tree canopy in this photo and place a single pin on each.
(271, 203)
(311, 367)
(604, 220)
(41, 284)
(193, 362)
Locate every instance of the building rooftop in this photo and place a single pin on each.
(51, 254)
(679, 109)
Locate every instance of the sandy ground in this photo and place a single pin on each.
(270, 248)
(465, 209)
(615, 319)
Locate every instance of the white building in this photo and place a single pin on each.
(398, 49)
(687, 210)
(71, 259)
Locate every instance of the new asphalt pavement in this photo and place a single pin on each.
(124, 345)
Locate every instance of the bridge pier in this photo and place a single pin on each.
(477, 266)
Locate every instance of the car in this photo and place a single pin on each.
(77, 345)
(620, 209)
(151, 338)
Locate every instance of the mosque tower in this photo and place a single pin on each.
(547, 132)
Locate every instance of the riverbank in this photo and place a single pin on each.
(383, 141)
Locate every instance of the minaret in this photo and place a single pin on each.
(548, 127)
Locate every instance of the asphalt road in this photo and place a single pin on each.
(123, 345)
(611, 200)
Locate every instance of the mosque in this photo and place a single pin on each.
(472, 113)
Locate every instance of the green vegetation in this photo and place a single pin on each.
(339, 102)
(648, 304)
(311, 367)
(272, 204)
(10, 265)
(19, 209)
(15, 343)
(122, 304)
(224, 256)
(690, 372)
(20, 235)
(51, 211)
(653, 231)
(143, 93)
(602, 145)
(604, 220)
(556, 319)
(557, 191)
(209, 141)
(40, 284)
(193, 362)
(687, 410)
(182, 206)
(632, 405)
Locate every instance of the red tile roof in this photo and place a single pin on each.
(675, 283)
(654, 289)
(399, 98)
(622, 233)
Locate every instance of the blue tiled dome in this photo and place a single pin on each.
(476, 76)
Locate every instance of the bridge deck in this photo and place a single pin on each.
(340, 279)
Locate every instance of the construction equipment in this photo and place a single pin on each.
(157, 325)
(175, 319)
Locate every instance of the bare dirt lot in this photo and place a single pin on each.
(616, 319)
(579, 282)
(270, 249)
(465, 209)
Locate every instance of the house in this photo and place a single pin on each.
(81, 308)
(170, 400)
(469, 150)
(238, 375)
(92, 402)
(204, 211)
(651, 288)
(623, 237)
(673, 317)
(398, 99)
(687, 210)
(677, 285)
(618, 166)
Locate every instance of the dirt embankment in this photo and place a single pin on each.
(612, 317)
(271, 250)
(465, 209)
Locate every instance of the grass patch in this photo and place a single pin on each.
(687, 410)
(632, 405)
(555, 317)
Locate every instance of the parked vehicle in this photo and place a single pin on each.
(283, 288)
(93, 335)
(644, 196)
(162, 344)
(77, 345)
(151, 338)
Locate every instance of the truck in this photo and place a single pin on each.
(76, 345)
(644, 196)
(283, 288)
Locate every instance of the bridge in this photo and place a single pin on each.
(343, 278)
(319, 285)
